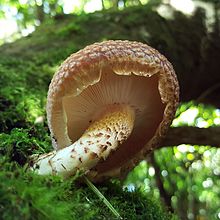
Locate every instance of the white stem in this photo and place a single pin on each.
(112, 128)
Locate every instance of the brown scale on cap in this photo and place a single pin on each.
(106, 74)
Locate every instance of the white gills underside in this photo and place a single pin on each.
(140, 93)
(113, 73)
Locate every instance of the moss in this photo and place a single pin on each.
(24, 195)
(23, 89)
(22, 143)
(27, 196)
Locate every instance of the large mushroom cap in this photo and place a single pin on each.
(113, 72)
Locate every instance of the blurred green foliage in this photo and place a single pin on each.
(190, 174)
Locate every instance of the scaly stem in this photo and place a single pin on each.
(113, 126)
(102, 197)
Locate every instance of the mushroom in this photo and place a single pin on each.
(108, 106)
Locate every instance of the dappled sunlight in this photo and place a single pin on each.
(50, 69)
(188, 117)
(198, 116)
(22, 17)
(93, 5)
(79, 6)
(182, 148)
(185, 6)
(151, 171)
(34, 106)
(194, 168)
(10, 27)
(165, 11)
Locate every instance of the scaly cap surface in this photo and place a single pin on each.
(111, 72)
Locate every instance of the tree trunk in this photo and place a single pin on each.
(103, 5)
(159, 181)
(40, 11)
(192, 135)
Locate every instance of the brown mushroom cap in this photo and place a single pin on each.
(113, 72)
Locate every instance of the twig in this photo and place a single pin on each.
(207, 92)
(102, 197)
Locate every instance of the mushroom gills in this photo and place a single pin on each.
(107, 74)
(112, 127)
(139, 92)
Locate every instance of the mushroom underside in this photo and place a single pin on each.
(111, 88)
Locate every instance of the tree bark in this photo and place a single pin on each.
(192, 135)
(103, 5)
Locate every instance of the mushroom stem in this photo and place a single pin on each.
(113, 126)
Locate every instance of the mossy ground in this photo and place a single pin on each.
(26, 68)
(25, 195)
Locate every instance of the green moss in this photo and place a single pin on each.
(24, 195)
(22, 143)
(23, 91)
